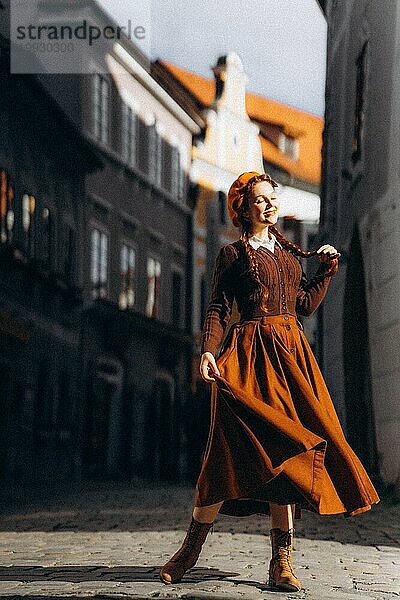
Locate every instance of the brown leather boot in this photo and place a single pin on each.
(281, 573)
(186, 557)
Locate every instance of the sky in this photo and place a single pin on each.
(282, 43)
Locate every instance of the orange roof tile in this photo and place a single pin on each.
(307, 127)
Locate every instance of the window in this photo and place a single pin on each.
(68, 252)
(158, 157)
(129, 134)
(359, 107)
(153, 288)
(222, 204)
(128, 266)
(6, 208)
(181, 181)
(145, 152)
(289, 146)
(99, 266)
(101, 97)
(176, 299)
(29, 223)
(166, 166)
(175, 172)
(47, 237)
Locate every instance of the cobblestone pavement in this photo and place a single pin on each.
(108, 540)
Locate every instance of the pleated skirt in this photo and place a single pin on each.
(274, 432)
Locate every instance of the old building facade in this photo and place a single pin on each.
(360, 214)
(127, 372)
(138, 222)
(244, 131)
(42, 277)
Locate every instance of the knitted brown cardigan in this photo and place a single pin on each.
(290, 291)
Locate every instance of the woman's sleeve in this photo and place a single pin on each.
(220, 303)
(311, 292)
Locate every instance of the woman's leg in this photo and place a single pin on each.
(206, 514)
(282, 515)
(281, 572)
(185, 558)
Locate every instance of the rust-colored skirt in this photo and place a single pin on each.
(274, 433)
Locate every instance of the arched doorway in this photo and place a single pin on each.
(106, 432)
(360, 425)
(160, 460)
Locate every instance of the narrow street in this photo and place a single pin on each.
(107, 540)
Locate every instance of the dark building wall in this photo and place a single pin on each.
(97, 385)
(40, 276)
(357, 174)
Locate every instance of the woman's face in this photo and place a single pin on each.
(263, 206)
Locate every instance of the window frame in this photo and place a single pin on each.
(157, 259)
(131, 246)
(101, 108)
(129, 134)
(103, 290)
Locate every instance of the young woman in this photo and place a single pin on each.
(275, 443)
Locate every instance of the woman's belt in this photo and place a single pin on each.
(258, 314)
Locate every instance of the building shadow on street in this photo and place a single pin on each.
(140, 507)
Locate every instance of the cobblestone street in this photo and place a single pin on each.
(107, 540)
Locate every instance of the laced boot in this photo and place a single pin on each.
(186, 557)
(281, 573)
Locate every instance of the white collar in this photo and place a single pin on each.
(258, 239)
(269, 242)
